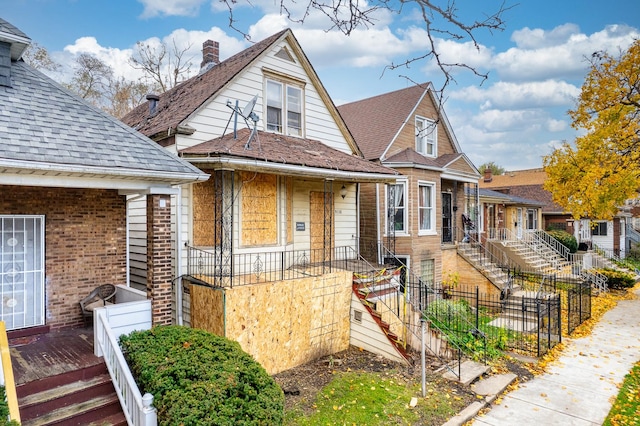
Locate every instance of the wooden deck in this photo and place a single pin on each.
(41, 356)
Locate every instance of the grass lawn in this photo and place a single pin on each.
(626, 408)
(374, 398)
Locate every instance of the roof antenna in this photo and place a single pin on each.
(247, 114)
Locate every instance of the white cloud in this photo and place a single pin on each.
(559, 53)
(118, 59)
(153, 8)
(503, 95)
(554, 125)
(536, 38)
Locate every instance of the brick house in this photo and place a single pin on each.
(66, 171)
(422, 213)
(612, 236)
(259, 241)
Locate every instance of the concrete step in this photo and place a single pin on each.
(469, 372)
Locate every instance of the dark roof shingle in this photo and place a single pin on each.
(176, 104)
(281, 149)
(375, 121)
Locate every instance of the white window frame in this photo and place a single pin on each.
(286, 105)
(432, 207)
(405, 213)
(426, 136)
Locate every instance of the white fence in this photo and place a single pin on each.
(110, 322)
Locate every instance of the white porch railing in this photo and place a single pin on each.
(109, 323)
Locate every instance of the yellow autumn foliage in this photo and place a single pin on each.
(594, 176)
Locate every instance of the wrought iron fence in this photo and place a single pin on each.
(524, 324)
(261, 267)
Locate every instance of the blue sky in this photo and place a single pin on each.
(536, 65)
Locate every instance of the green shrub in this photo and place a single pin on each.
(565, 238)
(198, 378)
(618, 280)
(4, 409)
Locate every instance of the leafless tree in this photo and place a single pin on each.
(123, 95)
(38, 57)
(165, 67)
(442, 18)
(91, 79)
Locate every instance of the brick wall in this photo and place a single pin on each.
(159, 272)
(85, 243)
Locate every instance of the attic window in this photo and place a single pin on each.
(284, 108)
(284, 54)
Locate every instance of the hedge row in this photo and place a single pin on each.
(198, 378)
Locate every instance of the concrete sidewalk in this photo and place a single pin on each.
(581, 386)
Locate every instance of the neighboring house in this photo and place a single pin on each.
(504, 215)
(260, 240)
(421, 213)
(610, 236)
(66, 170)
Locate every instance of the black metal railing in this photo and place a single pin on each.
(521, 324)
(261, 267)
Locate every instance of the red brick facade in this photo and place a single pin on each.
(159, 272)
(85, 243)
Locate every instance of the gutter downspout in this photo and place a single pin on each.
(378, 237)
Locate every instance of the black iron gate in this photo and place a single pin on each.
(578, 305)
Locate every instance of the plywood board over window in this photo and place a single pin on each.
(259, 209)
(321, 225)
(204, 200)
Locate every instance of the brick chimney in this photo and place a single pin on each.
(210, 54)
(488, 175)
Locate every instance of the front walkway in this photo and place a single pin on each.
(580, 387)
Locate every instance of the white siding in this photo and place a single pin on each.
(367, 334)
(211, 120)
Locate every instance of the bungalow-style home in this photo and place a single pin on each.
(421, 214)
(265, 243)
(66, 170)
(610, 236)
(505, 215)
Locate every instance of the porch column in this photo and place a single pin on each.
(159, 257)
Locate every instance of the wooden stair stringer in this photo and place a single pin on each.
(372, 334)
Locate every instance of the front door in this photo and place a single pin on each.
(22, 271)
(447, 216)
(321, 226)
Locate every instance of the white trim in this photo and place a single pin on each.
(295, 170)
(404, 232)
(433, 186)
(426, 123)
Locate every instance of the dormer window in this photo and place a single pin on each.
(284, 108)
(426, 137)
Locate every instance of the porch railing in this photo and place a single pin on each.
(259, 267)
(138, 409)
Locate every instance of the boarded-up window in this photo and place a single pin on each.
(203, 213)
(259, 209)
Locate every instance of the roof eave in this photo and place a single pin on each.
(288, 169)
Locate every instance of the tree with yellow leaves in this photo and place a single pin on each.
(595, 177)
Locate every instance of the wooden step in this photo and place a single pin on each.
(41, 403)
(76, 397)
(94, 410)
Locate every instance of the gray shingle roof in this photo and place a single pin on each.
(40, 121)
